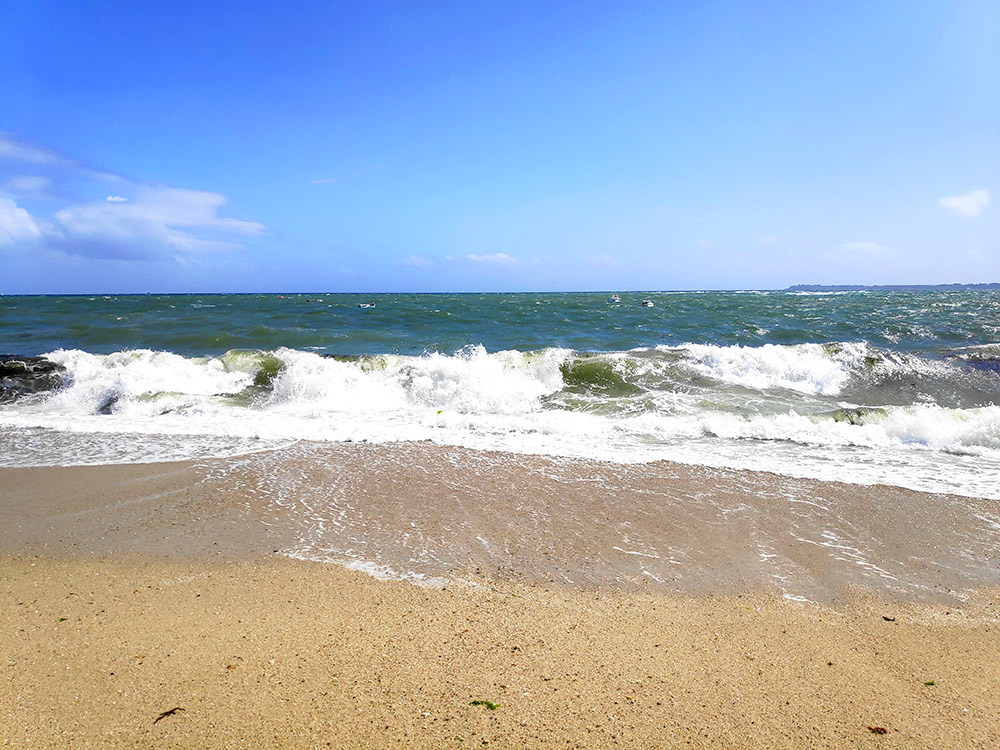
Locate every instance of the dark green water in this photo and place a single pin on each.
(196, 325)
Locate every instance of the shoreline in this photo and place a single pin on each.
(418, 510)
(129, 591)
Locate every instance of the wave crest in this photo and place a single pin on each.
(470, 381)
(724, 405)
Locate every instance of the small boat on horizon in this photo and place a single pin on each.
(366, 304)
(646, 303)
(614, 299)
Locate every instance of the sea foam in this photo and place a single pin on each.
(844, 411)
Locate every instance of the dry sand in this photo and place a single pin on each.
(128, 592)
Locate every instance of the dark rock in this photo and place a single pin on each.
(24, 375)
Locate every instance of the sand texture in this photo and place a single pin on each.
(128, 592)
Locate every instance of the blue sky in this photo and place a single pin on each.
(422, 146)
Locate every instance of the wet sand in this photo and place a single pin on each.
(130, 591)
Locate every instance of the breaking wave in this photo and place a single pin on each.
(844, 411)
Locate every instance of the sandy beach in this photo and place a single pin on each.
(538, 376)
(160, 606)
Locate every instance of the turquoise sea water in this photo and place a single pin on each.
(898, 387)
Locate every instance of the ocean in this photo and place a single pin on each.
(869, 387)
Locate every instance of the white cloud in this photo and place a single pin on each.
(154, 221)
(967, 204)
(502, 258)
(158, 218)
(415, 260)
(865, 248)
(704, 243)
(16, 224)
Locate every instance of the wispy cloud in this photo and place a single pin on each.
(14, 149)
(501, 258)
(31, 187)
(158, 218)
(139, 221)
(415, 260)
(967, 204)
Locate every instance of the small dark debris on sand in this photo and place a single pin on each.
(165, 714)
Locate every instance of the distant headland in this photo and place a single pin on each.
(889, 287)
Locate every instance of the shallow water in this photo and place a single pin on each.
(438, 515)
